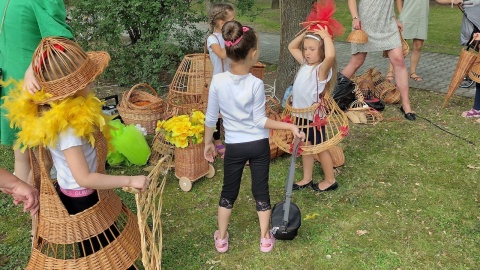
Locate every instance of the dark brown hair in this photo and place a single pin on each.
(219, 11)
(244, 38)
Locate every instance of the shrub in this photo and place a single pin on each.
(146, 39)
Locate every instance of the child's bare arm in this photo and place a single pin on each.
(294, 47)
(329, 59)
(222, 53)
(79, 167)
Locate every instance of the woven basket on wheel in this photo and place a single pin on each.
(59, 236)
(258, 70)
(358, 36)
(140, 107)
(325, 113)
(190, 162)
(465, 61)
(189, 87)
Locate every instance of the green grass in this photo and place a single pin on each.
(411, 186)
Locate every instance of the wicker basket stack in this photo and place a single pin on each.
(140, 107)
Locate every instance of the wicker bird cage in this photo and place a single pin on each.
(382, 88)
(104, 236)
(189, 88)
(258, 70)
(141, 105)
(324, 115)
(358, 36)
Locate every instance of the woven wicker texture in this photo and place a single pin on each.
(60, 237)
(382, 88)
(405, 47)
(273, 109)
(465, 61)
(258, 70)
(358, 36)
(190, 162)
(189, 88)
(474, 73)
(141, 105)
(336, 152)
(62, 68)
(160, 147)
(149, 210)
(325, 113)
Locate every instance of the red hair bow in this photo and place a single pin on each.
(322, 14)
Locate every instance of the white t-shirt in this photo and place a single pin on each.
(67, 140)
(216, 38)
(241, 101)
(307, 87)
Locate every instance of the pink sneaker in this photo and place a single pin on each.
(471, 113)
(266, 245)
(220, 244)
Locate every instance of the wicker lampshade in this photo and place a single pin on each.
(62, 68)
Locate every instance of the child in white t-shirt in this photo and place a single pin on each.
(240, 98)
(219, 14)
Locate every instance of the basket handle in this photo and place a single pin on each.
(138, 86)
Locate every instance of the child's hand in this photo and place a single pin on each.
(139, 182)
(322, 31)
(30, 83)
(297, 133)
(209, 151)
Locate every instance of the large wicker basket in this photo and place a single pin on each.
(60, 237)
(474, 73)
(326, 114)
(139, 107)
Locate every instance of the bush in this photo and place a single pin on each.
(146, 39)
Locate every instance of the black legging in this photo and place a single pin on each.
(476, 102)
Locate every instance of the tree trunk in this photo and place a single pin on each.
(275, 4)
(293, 12)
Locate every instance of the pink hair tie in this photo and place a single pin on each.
(229, 43)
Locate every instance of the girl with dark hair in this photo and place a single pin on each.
(246, 126)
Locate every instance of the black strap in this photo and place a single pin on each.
(289, 187)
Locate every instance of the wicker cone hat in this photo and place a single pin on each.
(62, 68)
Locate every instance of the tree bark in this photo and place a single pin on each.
(293, 12)
(275, 4)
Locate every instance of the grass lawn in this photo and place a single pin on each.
(408, 199)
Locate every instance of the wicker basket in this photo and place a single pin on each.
(147, 114)
(358, 36)
(272, 110)
(59, 236)
(325, 113)
(474, 73)
(382, 88)
(258, 70)
(465, 61)
(160, 147)
(190, 162)
(338, 157)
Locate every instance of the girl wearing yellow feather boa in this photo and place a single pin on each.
(64, 116)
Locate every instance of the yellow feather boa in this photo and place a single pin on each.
(83, 114)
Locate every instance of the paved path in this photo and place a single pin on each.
(436, 69)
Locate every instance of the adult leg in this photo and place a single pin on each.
(415, 59)
(401, 76)
(355, 62)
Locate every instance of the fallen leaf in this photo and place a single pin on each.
(361, 232)
(311, 216)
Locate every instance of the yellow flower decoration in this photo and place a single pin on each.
(183, 130)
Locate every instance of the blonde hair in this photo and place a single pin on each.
(330, 86)
(219, 11)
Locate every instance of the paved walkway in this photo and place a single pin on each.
(436, 69)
